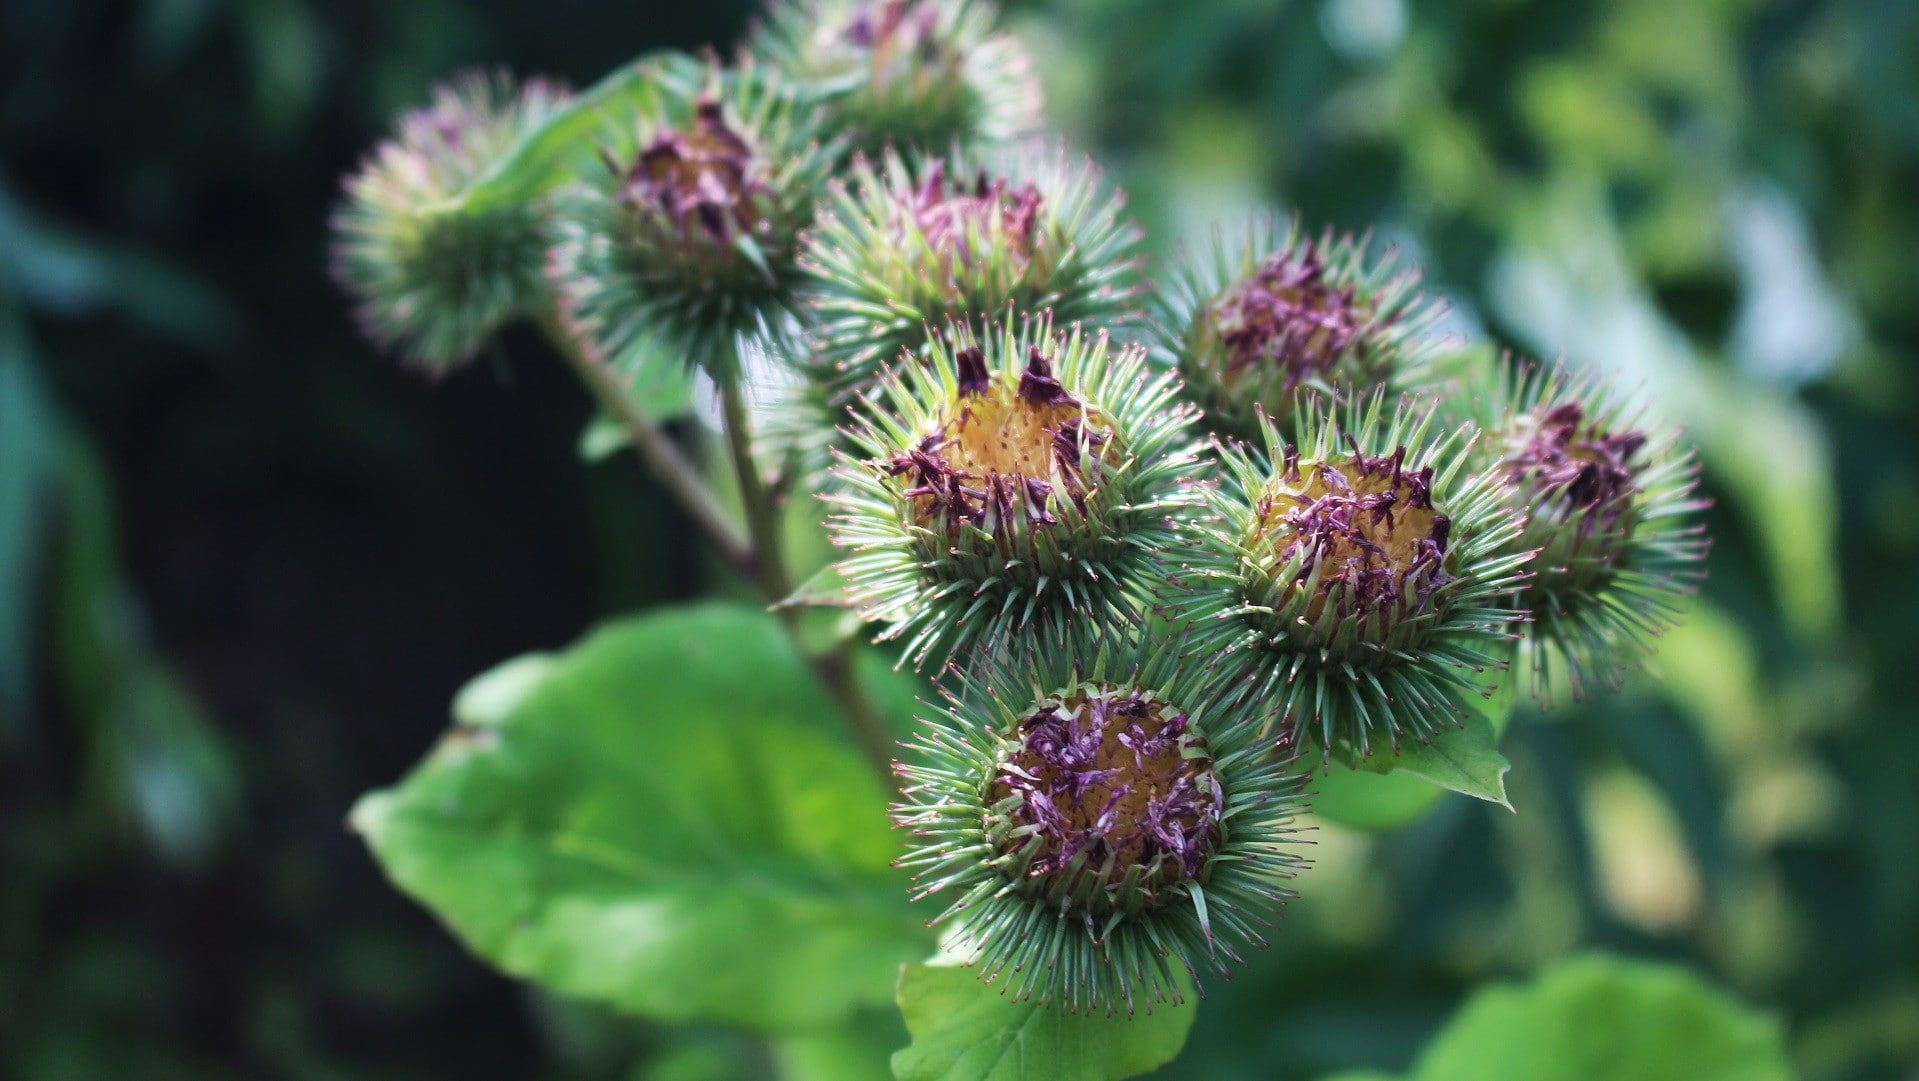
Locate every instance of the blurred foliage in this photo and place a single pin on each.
(244, 564)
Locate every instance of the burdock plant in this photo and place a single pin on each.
(1016, 474)
(906, 73)
(1139, 639)
(1268, 319)
(429, 277)
(1610, 520)
(688, 234)
(1101, 819)
(1360, 577)
(903, 248)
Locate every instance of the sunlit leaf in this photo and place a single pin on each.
(664, 817)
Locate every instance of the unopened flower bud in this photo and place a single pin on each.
(907, 73)
(1359, 577)
(902, 250)
(689, 233)
(1100, 816)
(1610, 520)
(1010, 477)
(431, 276)
(1266, 321)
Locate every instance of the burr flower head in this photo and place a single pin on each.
(1610, 519)
(1011, 478)
(431, 276)
(907, 73)
(688, 235)
(1265, 321)
(904, 249)
(1098, 815)
(1358, 578)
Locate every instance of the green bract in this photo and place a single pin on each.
(1610, 519)
(686, 238)
(903, 248)
(1358, 578)
(1268, 319)
(429, 277)
(1011, 476)
(1103, 818)
(925, 73)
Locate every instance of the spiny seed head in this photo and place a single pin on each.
(1101, 816)
(431, 275)
(1266, 320)
(1008, 478)
(906, 247)
(907, 73)
(1358, 578)
(1610, 517)
(688, 233)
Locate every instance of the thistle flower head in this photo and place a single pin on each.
(1268, 320)
(906, 248)
(1099, 816)
(1358, 578)
(431, 276)
(907, 73)
(1013, 475)
(1610, 519)
(688, 235)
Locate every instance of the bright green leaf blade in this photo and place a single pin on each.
(666, 818)
(1374, 802)
(1464, 759)
(1600, 1018)
(554, 153)
(966, 1030)
(1362, 1075)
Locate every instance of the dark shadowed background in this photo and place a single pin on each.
(245, 560)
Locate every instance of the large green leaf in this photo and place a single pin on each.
(1600, 1018)
(967, 1030)
(664, 817)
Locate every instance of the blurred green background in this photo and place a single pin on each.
(245, 561)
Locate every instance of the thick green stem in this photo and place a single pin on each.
(757, 556)
(834, 668)
(661, 454)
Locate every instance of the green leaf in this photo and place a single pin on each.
(664, 817)
(555, 152)
(1464, 759)
(967, 1030)
(1374, 802)
(1599, 1018)
(1383, 790)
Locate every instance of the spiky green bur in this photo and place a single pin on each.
(1610, 520)
(1100, 819)
(689, 235)
(904, 249)
(1269, 320)
(1007, 480)
(926, 73)
(1357, 581)
(429, 277)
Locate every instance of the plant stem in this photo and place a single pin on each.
(661, 454)
(758, 556)
(834, 668)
